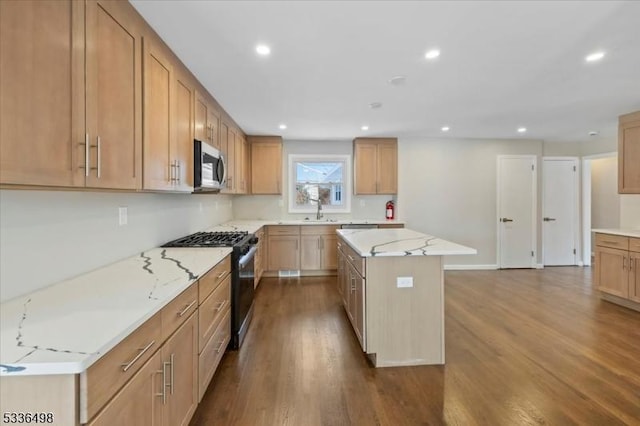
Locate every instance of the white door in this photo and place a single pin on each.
(559, 210)
(516, 211)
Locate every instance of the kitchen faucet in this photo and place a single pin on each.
(318, 214)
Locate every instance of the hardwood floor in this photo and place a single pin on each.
(523, 347)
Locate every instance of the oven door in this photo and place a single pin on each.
(243, 289)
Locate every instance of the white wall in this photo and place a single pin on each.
(630, 211)
(275, 206)
(48, 236)
(605, 200)
(448, 188)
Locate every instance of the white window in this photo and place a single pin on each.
(319, 177)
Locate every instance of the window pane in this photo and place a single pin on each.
(316, 180)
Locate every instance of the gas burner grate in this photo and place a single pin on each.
(209, 239)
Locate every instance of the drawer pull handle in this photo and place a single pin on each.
(221, 274)
(184, 311)
(219, 307)
(128, 365)
(615, 243)
(219, 348)
(350, 257)
(163, 394)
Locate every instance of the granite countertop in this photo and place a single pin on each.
(400, 242)
(253, 225)
(66, 327)
(623, 232)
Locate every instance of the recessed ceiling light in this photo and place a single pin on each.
(593, 57)
(593, 133)
(263, 49)
(365, 127)
(522, 129)
(445, 128)
(375, 105)
(282, 126)
(398, 80)
(432, 54)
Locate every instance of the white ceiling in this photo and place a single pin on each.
(503, 65)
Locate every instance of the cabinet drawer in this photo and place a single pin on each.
(209, 281)
(318, 229)
(354, 258)
(178, 310)
(284, 230)
(116, 367)
(612, 241)
(634, 244)
(390, 225)
(212, 310)
(212, 353)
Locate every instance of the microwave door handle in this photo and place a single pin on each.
(221, 172)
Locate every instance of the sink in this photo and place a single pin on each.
(307, 220)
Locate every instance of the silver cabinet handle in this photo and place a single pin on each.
(221, 274)
(86, 155)
(219, 307)
(219, 348)
(624, 263)
(614, 243)
(163, 394)
(353, 283)
(171, 377)
(98, 147)
(184, 311)
(178, 169)
(505, 219)
(350, 257)
(128, 365)
(549, 219)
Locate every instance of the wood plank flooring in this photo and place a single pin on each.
(523, 347)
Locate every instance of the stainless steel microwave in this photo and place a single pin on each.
(208, 168)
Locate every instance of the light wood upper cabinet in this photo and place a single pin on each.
(266, 164)
(629, 153)
(158, 118)
(240, 169)
(375, 166)
(181, 151)
(213, 124)
(207, 121)
(45, 94)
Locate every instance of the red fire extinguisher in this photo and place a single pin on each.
(390, 210)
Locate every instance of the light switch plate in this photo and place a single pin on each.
(122, 216)
(404, 282)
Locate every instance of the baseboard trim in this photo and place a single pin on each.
(539, 266)
(470, 267)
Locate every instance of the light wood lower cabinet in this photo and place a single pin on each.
(353, 287)
(318, 247)
(617, 259)
(283, 248)
(139, 403)
(261, 256)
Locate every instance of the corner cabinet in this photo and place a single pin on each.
(629, 153)
(266, 164)
(375, 167)
(617, 259)
(74, 95)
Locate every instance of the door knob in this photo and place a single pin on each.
(549, 219)
(505, 219)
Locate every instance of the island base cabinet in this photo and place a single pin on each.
(405, 325)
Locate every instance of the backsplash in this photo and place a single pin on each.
(49, 236)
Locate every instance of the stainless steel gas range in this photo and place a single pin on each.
(242, 273)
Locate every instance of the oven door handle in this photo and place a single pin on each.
(248, 256)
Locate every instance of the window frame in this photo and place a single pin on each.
(345, 191)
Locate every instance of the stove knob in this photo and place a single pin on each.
(253, 240)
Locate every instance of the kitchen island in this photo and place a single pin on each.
(392, 287)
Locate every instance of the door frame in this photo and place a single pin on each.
(586, 203)
(534, 208)
(576, 205)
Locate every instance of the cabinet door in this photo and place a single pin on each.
(228, 142)
(181, 152)
(339, 272)
(634, 277)
(613, 275)
(180, 362)
(310, 252)
(359, 311)
(240, 187)
(629, 154)
(329, 246)
(283, 253)
(266, 166)
(202, 130)
(365, 157)
(158, 118)
(139, 403)
(113, 95)
(213, 122)
(387, 168)
(246, 165)
(42, 86)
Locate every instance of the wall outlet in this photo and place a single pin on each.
(404, 282)
(122, 216)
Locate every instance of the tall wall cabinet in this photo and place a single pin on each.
(629, 153)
